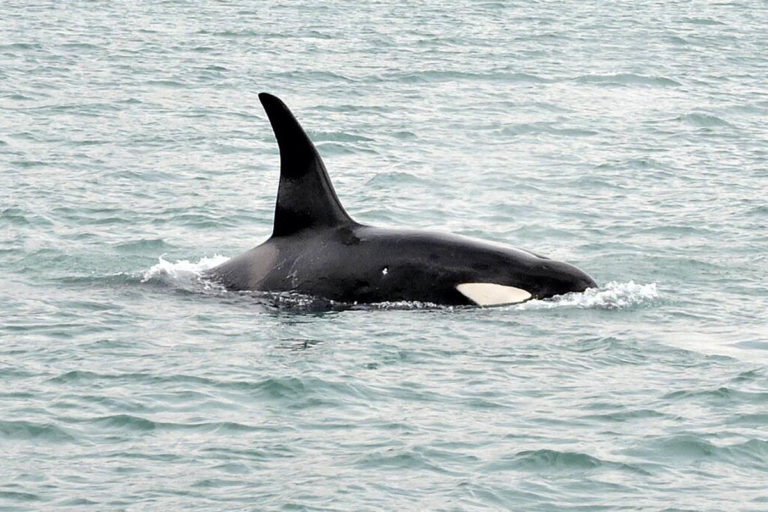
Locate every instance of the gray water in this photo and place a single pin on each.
(627, 138)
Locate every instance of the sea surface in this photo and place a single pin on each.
(627, 138)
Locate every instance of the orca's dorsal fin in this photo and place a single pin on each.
(305, 197)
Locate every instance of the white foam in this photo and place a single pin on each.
(613, 295)
(183, 272)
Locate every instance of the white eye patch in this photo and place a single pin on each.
(491, 294)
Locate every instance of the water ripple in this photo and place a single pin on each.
(628, 139)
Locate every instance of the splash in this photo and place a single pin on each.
(613, 295)
(182, 273)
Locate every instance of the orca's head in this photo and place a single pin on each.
(550, 278)
(541, 279)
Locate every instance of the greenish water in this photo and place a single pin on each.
(628, 138)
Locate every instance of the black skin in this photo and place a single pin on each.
(317, 249)
(362, 264)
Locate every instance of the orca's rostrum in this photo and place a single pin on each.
(317, 249)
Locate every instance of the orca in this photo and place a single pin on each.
(317, 249)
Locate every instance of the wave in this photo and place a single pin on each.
(433, 76)
(184, 273)
(545, 458)
(694, 446)
(703, 120)
(628, 79)
(29, 430)
(555, 460)
(613, 295)
(129, 422)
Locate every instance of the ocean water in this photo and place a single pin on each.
(628, 138)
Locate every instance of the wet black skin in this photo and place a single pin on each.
(361, 264)
(317, 249)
